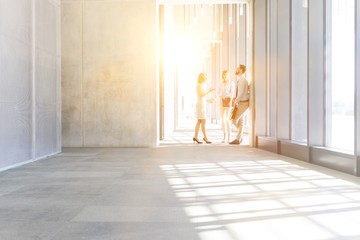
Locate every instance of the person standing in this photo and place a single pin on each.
(201, 108)
(227, 94)
(241, 102)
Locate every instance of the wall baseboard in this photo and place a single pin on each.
(316, 155)
(27, 162)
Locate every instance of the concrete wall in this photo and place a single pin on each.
(169, 74)
(109, 73)
(29, 80)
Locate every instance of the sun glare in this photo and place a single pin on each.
(234, 200)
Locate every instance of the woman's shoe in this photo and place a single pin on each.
(197, 141)
(207, 141)
(236, 142)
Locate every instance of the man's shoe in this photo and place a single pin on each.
(237, 142)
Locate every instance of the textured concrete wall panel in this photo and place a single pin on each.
(118, 73)
(15, 82)
(46, 78)
(71, 62)
(28, 129)
(15, 20)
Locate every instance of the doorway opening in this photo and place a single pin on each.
(195, 38)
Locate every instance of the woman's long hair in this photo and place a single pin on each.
(223, 75)
(201, 77)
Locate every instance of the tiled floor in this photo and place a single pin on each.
(180, 191)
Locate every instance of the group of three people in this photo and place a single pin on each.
(233, 95)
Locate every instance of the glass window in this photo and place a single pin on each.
(299, 71)
(340, 74)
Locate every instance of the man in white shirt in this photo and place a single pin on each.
(241, 102)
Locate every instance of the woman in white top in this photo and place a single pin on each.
(227, 95)
(201, 108)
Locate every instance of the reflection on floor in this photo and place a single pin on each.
(177, 192)
(185, 134)
(265, 199)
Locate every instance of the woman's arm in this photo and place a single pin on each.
(203, 93)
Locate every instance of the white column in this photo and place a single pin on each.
(316, 66)
(357, 87)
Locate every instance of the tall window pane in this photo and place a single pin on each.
(340, 74)
(299, 71)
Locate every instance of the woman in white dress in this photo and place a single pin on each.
(227, 94)
(201, 108)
